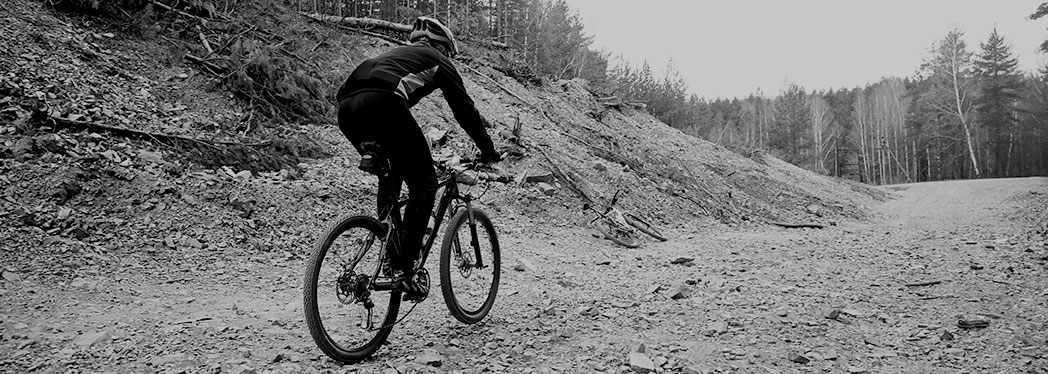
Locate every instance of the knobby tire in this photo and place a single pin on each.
(323, 250)
(458, 228)
(616, 233)
(644, 226)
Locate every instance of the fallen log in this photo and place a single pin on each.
(62, 123)
(204, 11)
(335, 23)
(363, 23)
(254, 156)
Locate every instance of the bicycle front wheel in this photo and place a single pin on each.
(470, 266)
(644, 226)
(617, 233)
(350, 304)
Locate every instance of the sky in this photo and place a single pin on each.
(726, 49)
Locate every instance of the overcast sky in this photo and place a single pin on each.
(729, 48)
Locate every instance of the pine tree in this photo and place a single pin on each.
(1042, 10)
(792, 117)
(999, 96)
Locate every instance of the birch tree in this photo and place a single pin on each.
(821, 130)
(953, 92)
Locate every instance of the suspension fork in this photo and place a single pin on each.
(474, 239)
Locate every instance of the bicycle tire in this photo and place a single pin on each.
(644, 226)
(451, 245)
(616, 233)
(326, 251)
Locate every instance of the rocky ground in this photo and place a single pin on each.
(124, 255)
(948, 278)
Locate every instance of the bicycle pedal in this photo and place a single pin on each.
(415, 298)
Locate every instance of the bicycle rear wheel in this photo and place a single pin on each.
(617, 233)
(350, 304)
(644, 226)
(470, 266)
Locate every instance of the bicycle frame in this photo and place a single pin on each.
(450, 194)
(611, 213)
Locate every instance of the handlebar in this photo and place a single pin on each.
(467, 170)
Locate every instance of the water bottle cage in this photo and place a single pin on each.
(374, 164)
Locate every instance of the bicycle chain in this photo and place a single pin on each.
(416, 303)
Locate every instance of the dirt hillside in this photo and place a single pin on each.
(128, 252)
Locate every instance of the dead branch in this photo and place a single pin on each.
(234, 38)
(62, 123)
(207, 45)
(499, 85)
(169, 8)
(933, 297)
(1006, 283)
(797, 225)
(922, 284)
(209, 67)
(564, 176)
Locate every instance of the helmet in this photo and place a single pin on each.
(435, 31)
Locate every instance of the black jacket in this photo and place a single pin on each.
(414, 71)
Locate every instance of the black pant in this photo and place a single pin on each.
(385, 118)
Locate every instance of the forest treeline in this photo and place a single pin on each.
(968, 113)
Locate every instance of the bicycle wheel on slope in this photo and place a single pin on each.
(644, 226)
(617, 233)
(347, 316)
(470, 266)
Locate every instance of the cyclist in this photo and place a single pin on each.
(374, 106)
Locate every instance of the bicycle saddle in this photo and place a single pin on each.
(372, 160)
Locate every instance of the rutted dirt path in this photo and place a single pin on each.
(753, 298)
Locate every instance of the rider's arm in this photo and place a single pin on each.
(463, 107)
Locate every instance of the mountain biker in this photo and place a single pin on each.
(374, 106)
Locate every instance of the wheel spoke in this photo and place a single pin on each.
(469, 289)
(347, 317)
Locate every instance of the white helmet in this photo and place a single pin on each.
(435, 31)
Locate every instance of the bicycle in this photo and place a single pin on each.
(351, 301)
(616, 224)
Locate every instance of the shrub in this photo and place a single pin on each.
(271, 83)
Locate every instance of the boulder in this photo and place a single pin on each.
(640, 363)
(596, 165)
(540, 178)
(547, 189)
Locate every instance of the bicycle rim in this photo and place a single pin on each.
(616, 233)
(644, 226)
(470, 270)
(347, 318)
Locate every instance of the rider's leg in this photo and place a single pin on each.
(412, 162)
(360, 118)
(386, 118)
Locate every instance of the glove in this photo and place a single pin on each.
(489, 157)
